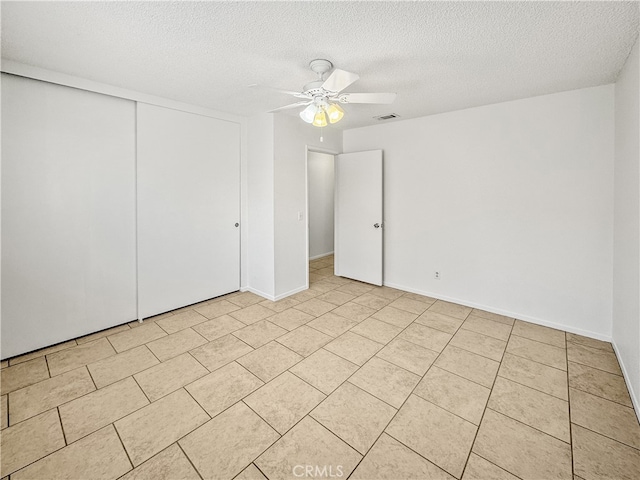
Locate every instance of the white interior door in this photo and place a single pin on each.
(188, 208)
(358, 217)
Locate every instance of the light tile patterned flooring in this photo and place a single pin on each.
(342, 380)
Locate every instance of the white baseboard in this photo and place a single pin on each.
(625, 374)
(272, 297)
(322, 255)
(291, 292)
(506, 313)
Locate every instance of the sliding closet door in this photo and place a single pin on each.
(188, 208)
(68, 213)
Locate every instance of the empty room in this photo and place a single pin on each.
(320, 240)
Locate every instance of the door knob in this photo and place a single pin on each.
(376, 225)
(237, 224)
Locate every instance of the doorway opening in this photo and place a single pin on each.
(320, 212)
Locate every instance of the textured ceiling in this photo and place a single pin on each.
(437, 56)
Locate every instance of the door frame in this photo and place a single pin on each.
(314, 149)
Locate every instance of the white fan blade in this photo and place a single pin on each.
(339, 80)
(385, 98)
(288, 92)
(287, 107)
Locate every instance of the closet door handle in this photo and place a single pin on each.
(237, 224)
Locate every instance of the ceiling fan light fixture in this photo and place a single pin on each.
(335, 113)
(320, 119)
(309, 113)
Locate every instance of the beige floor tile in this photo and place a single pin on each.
(439, 321)
(522, 450)
(426, 337)
(246, 299)
(291, 319)
(308, 443)
(336, 297)
(218, 327)
(280, 305)
(468, 365)
(175, 344)
(217, 309)
(395, 316)
(320, 285)
(531, 407)
(226, 445)
(439, 436)
(304, 295)
(269, 361)
(251, 473)
(538, 352)
(284, 401)
(324, 370)
(598, 457)
(390, 460)
(535, 375)
(29, 441)
(481, 344)
(600, 383)
(4, 412)
(419, 298)
(603, 416)
(355, 416)
(98, 456)
(593, 357)
(377, 330)
(180, 321)
(112, 369)
(252, 314)
(539, 333)
(453, 393)
(4, 363)
(23, 375)
(409, 305)
(260, 333)
(589, 342)
(315, 307)
(224, 387)
(480, 469)
(487, 327)
(407, 355)
(156, 426)
(356, 288)
(387, 292)
(304, 340)
(102, 334)
(42, 352)
(98, 409)
(42, 396)
(221, 351)
(169, 376)
(493, 316)
(355, 348)
(169, 464)
(354, 311)
(386, 381)
(135, 337)
(332, 324)
(371, 301)
(451, 309)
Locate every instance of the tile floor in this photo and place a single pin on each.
(344, 380)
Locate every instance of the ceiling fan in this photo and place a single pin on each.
(322, 98)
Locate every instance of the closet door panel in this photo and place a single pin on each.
(188, 203)
(68, 213)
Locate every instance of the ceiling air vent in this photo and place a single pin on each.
(388, 116)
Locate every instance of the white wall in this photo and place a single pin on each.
(626, 232)
(512, 203)
(292, 137)
(260, 206)
(320, 172)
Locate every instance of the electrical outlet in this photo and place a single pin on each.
(436, 275)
